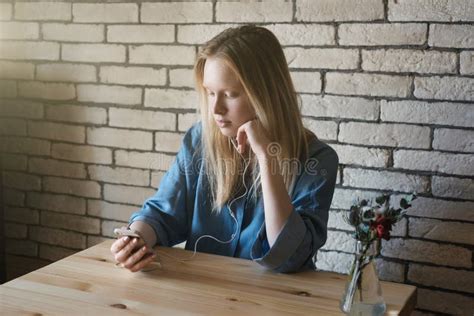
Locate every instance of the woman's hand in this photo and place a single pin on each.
(131, 253)
(253, 133)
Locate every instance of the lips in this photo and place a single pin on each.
(222, 121)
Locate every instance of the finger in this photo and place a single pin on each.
(143, 263)
(241, 139)
(135, 257)
(119, 244)
(125, 252)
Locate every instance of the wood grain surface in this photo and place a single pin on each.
(89, 283)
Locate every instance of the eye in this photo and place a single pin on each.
(231, 95)
(210, 93)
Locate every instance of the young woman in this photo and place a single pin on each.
(249, 180)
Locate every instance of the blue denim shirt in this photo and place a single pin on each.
(181, 211)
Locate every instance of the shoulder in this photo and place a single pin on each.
(317, 149)
(192, 137)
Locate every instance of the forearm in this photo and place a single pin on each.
(276, 201)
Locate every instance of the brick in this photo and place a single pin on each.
(303, 34)
(82, 153)
(363, 156)
(17, 266)
(55, 131)
(108, 210)
(54, 167)
(17, 231)
(16, 70)
(186, 12)
(140, 34)
(57, 237)
(14, 162)
(439, 113)
(453, 140)
(384, 180)
(57, 203)
(153, 161)
(339, 241)
(66, 72)
(25, 146)
(444, 88)
(5, 11)
(17, 108)
(77, 114)
(119, 175)
(322, 58)
(127, 194)
(12, 127)
(71, 222)
(105, 12)
(112, 137)
(8, 89)
(57, 11)
(338, 262)
(454, 232)
(382, 34)
(200, 33)
(458, 280)
(467, 63)
(452, 36)
(29, 50)
(408, 60)
(49, 91)
(109, 94)
(448, 303)
(337, 220)
(13, 197)
(93, 53)
(428, 10)
(340, 107)
(326, 130)
(390, 271)
(436, 208)
(21, 215)
(187, 120)
(339, 10)
(21, 247)
(133, 75)
(73, 32)
(109, 226)
(94, 240)
(460, 164)
(305, 81)
(171, 98)
(393, 135)
(424, 251)
(72, 187)
(142, 119)
(53, 253)
(162, 55)
(254, 12)
(452, 187)
(21, 181)
(156, 177)
(368, 84)
(19, 30)
(168, 142)
(182, 78)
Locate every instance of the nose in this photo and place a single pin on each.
(218, 106)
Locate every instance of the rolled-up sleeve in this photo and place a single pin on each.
(168, 211)
(305, 230)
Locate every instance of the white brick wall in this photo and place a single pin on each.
(95, 98)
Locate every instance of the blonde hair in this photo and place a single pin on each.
(255, 55)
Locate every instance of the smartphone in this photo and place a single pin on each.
(123, 231)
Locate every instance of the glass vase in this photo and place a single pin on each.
(363, 293)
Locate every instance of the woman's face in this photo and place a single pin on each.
(227, 99)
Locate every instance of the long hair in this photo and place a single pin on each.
(255, 56)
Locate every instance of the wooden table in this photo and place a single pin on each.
(89, 283)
